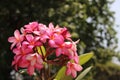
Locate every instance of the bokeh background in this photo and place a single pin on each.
(91, 21)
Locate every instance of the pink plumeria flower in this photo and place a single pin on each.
(51, 30)
(63, 48)
(35, 62)
(23, 50)
(67, 49)
(34, 35)
(20, 61)
(32, 41)
(16, 40)
(51, 27)
(19, 58)
(31, 27)
(73, 52)
(65, 33)
(72, 69)
(55, 39)
(42, 32)
(73, 55)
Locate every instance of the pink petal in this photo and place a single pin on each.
(65, 33)
(31, 46)
(16, 51)
(37, 38)
(51, 26)
(58, 39)
(33, 61)
(29, 38)
(30, 70)
(16, 67)
(22, 30)
(13, 44)
(44, 38)
(68, 44)
(38, 43)
(13, 63)
(17, 58)
(25, 43)
(35, 24)
(17, 34)
(39, 60)
(74, 73)
(18, 45)
(22, 37)
(38, 66)
(24, 64)
(11, 39)
(37, 32)
(28, 50)
(52, 43)
(78, 67)
(76, 59)
(58, 51)
(29, 57)
(68, 71)
(27, 26)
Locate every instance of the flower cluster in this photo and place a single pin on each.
(27, 43)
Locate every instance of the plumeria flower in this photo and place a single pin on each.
(19, 58)
(35, 62)
(37, 43)
(42, 32)
(73, 52)
(23, 50)
(72, 69)
(16, 39)
(31, 27)
(20, 61)
(32, 41)
(55, 39)
(65, 33)
(63, 48)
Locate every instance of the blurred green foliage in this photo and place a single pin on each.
(91, 21)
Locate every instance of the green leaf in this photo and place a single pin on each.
(61, 75)
(82, 74)
(85, 58)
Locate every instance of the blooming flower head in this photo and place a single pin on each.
(31, 27)
(32, 41)
(35, 61)
(36, 43)
(72, 69)
(16, 39)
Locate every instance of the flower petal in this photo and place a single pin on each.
(29, 38)
(30, 70)
(77, 67)
(51, 26)
(17, 34)
(11, 39)
(68, 71)
(38, 66)
(16, 51)
(23, 64)
(58, 52)
(52, 43)
(13, 44)
(74, 73)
